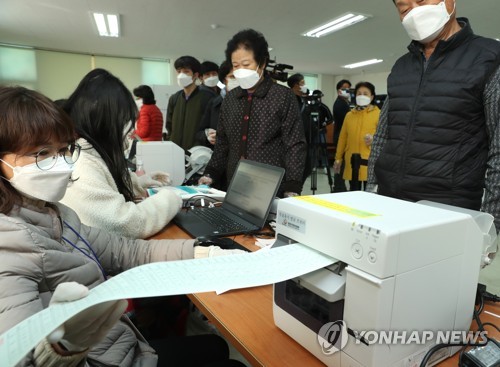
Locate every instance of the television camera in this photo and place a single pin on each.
(277, 71)
(314, 99)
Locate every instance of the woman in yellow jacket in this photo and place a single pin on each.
(356, 135)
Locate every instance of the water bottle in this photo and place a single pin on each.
(139, 170)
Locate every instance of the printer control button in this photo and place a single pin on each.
(357, 250)
(372, 257)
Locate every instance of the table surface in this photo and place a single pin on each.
(245, 318)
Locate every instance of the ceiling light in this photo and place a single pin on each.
(336, 24)
(107, 24)
(362, 63)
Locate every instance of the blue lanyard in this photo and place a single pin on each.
(95, 258)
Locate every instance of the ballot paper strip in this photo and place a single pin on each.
(168, 278)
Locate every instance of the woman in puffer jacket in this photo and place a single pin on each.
(46, 252)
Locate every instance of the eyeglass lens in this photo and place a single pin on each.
(46, 158)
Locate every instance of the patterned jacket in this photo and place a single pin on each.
(264, 126)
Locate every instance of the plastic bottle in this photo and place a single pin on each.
(139, 170)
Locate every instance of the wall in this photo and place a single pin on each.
(56, 74)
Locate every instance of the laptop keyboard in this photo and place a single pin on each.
(220, 221)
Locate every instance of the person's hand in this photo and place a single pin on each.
(368, 138)
(155, 179)
(205, 180)
(201, 252)
(290, 194)
(90, 326)
(211, 135)
(162, 177)
(336, 166)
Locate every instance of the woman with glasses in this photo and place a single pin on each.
(49, 256)
(104, 193)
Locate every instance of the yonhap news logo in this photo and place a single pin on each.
(332, 337)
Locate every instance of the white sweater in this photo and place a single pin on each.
(95, 197)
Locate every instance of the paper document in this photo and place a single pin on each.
(168, 278)
(190, 192)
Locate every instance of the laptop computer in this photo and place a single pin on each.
(245, 207)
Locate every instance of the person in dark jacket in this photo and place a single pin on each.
(438, 137)
(187, 106)
(340, 108)
(259, 120)
(206, 135)
(209, 76)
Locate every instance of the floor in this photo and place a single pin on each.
(490, 275)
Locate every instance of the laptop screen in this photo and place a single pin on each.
(253, 188)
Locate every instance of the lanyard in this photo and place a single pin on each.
(95, 258)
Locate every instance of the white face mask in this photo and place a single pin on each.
(138, 102)
(303, 89)
(424, 23)
(211, 81)
(345, 93)
(247, 78)
(231, 84)
(184, 80)
(47, 185)
(362, 100)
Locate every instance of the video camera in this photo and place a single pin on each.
(313, 99)
(277, 71)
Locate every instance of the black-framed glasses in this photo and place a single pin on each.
(46, 158)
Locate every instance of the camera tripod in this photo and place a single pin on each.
(317, 147)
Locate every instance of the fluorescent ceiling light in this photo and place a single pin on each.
(336, 24)
(107, 24)
(16, 46)
(362, 63)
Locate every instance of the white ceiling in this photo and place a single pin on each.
(171, 28)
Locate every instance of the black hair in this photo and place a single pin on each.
(343, 81)
(101, 107)
(251, 40)
(368, 85)
(188, 62)
(208, 66)
(28, 119)
(60, 102)
(294, 79)
(146, 93)
(317, 93)
(224, 70)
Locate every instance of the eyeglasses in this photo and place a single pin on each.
(47, 158)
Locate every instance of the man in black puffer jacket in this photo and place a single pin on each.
(438, 136)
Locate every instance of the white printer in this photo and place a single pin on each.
(401, 267)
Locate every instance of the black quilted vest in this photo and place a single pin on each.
(437, 144)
